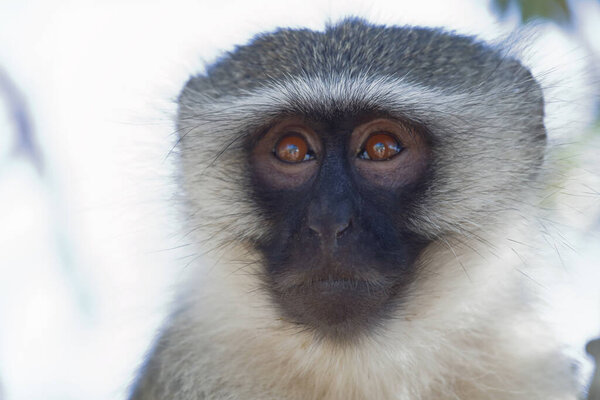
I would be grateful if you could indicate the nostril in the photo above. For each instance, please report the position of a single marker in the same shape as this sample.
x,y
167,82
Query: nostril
x,y
314,231
343,229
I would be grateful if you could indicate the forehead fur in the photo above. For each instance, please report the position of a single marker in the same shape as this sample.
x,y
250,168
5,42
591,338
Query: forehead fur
x,y
429,57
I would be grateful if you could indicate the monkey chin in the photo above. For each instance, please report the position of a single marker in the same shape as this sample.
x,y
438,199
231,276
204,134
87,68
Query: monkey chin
x,y
337,309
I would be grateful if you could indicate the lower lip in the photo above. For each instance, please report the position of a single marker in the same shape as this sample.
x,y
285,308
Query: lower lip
x,y
336,307
348,287
340,285
339,289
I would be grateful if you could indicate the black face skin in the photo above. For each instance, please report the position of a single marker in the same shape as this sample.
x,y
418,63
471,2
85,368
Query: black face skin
x,y
340,254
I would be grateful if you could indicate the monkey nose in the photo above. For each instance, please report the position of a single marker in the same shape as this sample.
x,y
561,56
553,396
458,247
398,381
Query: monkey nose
x,y
330,223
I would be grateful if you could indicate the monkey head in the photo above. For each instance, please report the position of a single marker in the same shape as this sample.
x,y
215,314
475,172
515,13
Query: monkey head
x,y
340,157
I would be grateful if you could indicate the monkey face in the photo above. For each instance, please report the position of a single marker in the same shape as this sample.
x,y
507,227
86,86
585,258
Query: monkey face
x,y
338,193
329,173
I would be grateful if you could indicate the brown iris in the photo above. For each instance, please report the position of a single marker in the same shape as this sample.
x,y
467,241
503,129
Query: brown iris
x,y
292,148
381,147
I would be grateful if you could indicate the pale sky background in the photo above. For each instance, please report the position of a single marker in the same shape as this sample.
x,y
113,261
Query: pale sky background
x,y
89,249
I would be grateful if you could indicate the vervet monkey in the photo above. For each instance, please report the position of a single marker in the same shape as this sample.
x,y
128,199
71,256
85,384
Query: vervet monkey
x,y
364,199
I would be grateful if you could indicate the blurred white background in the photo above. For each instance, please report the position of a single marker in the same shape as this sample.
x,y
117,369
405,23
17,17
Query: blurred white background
x,y
89,248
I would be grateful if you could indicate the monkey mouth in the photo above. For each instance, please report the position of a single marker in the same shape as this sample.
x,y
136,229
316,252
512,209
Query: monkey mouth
x,y
334,288
339,285
335,307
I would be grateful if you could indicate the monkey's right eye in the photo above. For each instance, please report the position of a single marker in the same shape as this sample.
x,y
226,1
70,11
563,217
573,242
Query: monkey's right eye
x,y
293,148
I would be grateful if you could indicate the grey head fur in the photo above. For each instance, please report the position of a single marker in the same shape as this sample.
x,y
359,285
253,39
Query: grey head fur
x,y
353,48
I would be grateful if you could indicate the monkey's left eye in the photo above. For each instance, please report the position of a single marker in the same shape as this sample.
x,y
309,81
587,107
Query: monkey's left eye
x,y
380,147
293,148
